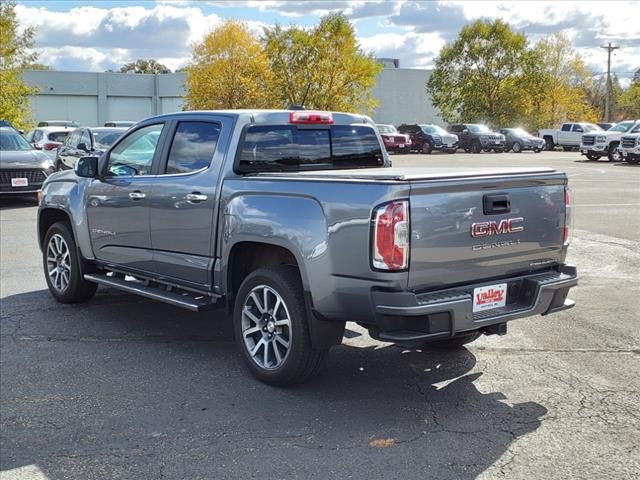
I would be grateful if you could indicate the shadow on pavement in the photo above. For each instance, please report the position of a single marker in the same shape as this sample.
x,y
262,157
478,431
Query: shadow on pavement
x,y
10,202
127,388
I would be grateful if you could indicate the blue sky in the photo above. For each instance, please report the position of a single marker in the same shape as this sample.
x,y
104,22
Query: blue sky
x,y
99,35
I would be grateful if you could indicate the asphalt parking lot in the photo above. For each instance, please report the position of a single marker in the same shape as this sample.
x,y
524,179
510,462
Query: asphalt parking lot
x,y
125,388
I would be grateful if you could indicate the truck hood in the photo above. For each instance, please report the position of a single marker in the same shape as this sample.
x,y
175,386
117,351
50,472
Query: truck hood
x,y
24,159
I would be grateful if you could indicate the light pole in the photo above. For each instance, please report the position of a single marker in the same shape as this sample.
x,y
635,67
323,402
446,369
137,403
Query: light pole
x,y
610,48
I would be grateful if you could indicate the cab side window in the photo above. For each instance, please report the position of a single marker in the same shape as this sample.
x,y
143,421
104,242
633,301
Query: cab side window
x,y
192,147
134,155
578,128
566,127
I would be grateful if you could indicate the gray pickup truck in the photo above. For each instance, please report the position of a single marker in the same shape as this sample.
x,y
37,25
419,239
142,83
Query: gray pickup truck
x,y
297,222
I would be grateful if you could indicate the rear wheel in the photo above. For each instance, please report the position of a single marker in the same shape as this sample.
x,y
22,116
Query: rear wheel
x,y
517,147
61,264
453,343
272,329
549,144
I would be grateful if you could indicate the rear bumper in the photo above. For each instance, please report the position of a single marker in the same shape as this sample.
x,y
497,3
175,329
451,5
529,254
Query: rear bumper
x,y
407,316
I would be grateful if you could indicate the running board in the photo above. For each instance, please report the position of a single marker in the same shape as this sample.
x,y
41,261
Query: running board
x,y
180,298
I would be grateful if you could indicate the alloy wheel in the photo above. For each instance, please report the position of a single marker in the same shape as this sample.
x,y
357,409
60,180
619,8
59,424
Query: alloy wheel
x,y
266,327
58,262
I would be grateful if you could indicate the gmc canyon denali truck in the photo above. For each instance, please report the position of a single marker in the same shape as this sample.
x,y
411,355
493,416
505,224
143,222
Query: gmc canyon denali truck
x,y
297,222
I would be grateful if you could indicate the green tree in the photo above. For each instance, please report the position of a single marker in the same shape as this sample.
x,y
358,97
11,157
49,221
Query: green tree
x,y
15,54
629,101
229,69
478,76
323,67
144,66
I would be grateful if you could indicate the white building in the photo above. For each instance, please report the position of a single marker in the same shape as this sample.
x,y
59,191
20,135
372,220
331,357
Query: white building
x,y
94,98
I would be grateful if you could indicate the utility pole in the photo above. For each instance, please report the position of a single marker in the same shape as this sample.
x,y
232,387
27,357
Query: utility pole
x,y
609,48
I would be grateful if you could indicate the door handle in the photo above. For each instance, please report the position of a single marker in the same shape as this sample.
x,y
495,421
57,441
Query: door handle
x,y
196,197
137,195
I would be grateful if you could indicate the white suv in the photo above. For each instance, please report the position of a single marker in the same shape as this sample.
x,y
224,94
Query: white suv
x,y
48,139
599,144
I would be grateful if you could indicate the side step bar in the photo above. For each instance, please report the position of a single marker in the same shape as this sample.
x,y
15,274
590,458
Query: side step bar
x,y
179,298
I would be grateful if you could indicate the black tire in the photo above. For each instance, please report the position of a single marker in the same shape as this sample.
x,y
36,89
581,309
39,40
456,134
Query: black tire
x,y
77,289
426,148
300,361
453,343
467,150
476,147
567,149
451,151
516,147
537,150
613,154
499,150
549,143
593,157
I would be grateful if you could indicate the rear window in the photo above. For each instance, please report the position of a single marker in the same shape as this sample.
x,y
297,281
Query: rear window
x,y
289,147
58,136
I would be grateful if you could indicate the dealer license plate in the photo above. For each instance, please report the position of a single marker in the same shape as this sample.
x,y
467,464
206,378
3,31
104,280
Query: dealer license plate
x,y
497,142
491,296
19,182
402,145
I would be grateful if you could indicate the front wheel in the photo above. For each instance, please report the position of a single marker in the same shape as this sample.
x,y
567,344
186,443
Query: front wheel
x,y
517,147
426,147
614,155
272,329
476,147
61,263
453,343
537,150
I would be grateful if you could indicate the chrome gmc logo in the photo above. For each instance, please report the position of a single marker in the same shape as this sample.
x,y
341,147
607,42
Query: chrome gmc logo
x,y
493,227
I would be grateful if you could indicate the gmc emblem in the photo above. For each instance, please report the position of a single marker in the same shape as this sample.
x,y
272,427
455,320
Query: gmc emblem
x,y
493,227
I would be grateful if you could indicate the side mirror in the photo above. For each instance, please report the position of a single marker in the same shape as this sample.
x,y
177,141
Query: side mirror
x,y
83,146
87,167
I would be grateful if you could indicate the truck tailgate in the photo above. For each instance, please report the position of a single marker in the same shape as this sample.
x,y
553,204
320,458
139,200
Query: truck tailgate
x,y
476,229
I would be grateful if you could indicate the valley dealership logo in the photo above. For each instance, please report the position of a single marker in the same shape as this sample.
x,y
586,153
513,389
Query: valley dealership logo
x,y
493,227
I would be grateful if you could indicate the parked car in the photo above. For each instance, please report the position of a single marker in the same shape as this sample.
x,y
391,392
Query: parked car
x,y
295,220
394,141
518,139
568,136
475,137
22,168
48,139
85,141
426,138
119,123
605,126
597,145
630,146
58,123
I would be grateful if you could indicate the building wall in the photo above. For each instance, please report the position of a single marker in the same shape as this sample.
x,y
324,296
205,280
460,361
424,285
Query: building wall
x,y
94,98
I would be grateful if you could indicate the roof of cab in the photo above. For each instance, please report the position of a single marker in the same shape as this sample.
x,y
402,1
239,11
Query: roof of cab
x,y
264,115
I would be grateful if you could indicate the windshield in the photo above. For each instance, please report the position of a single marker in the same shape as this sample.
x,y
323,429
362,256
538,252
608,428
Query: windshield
x,y
636,129
106,138
11,141
622,127
433,129
520,132
477,128
386,129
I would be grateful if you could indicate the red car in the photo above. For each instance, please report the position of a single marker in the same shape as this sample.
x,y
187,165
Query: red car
x,y
394,141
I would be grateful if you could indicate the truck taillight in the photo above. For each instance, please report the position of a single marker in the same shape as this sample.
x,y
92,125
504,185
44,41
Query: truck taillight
x,y
305,117
391,236
51,146
568,218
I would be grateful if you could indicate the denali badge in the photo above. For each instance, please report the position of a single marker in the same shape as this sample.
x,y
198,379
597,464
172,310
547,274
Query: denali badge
x,y
493,227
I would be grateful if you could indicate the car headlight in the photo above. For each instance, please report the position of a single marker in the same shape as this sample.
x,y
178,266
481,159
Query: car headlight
x,y
601,139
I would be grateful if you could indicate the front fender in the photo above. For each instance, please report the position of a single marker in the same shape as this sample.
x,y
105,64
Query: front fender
x,y
66,192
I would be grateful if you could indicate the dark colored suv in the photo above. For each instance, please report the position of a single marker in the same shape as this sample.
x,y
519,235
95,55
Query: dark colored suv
x,y
426,138
475,137
518,139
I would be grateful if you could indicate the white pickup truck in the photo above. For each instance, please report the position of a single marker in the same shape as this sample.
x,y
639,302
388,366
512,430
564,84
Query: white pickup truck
x,y
568,136
629,146
599,144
